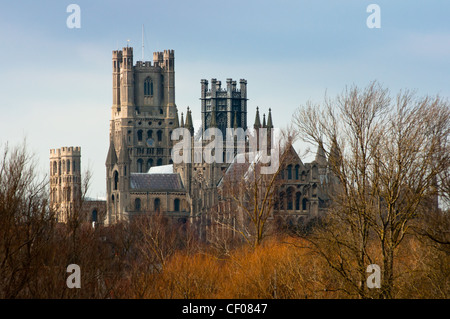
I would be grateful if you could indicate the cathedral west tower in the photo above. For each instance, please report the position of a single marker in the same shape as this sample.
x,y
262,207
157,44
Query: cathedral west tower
x,y
143,115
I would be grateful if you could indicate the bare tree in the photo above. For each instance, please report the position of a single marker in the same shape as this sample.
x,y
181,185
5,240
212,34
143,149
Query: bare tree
x,y
249,195
26,222
387,155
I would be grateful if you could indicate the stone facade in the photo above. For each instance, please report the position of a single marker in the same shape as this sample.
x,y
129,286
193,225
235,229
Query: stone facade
x,y
65,181
140,174
66,196
143,117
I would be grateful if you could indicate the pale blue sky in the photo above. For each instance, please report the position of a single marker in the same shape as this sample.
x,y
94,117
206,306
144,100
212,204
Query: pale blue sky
x,y
55,83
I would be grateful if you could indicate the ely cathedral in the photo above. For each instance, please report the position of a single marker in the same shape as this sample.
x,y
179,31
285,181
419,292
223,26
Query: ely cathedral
x,y
141,176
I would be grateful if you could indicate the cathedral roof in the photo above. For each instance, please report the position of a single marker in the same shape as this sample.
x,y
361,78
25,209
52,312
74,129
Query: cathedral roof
x,y
156,182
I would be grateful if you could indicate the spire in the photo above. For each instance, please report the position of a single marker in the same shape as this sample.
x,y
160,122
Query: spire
x,y
257,124
320,155
269,119
111,158
182,120
335,155
123,155
188,123
177,122
264,121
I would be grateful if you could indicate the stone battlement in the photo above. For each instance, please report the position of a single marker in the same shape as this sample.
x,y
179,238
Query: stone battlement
x,y
65,151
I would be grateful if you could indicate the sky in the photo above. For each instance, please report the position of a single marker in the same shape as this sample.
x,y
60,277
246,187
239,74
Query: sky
x,y
56,81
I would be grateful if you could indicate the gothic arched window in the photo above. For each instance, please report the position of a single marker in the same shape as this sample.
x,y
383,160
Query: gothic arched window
x,y
304,203
116,179
290,200
148,87
315,172
159,136
281,200
157,204
139,135
149,163
289,172
139,165
297,201
94,215
176,205
221,121
137,204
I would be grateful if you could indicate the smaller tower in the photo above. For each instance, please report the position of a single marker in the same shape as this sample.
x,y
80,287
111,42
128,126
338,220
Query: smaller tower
x,y
65,182
222,106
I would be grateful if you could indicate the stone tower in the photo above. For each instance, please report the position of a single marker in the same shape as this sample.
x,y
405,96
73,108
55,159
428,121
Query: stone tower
x,y
65,181
143,115
224,106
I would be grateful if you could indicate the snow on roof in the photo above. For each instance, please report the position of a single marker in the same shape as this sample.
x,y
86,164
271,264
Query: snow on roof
x,y
164,169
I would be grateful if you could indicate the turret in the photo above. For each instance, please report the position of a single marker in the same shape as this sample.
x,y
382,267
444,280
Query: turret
x,y
65,181
169,60
257,124
158,59
111,158
269,120
177,121
189,125
127,82
116,61
269,128
169,79
243,89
